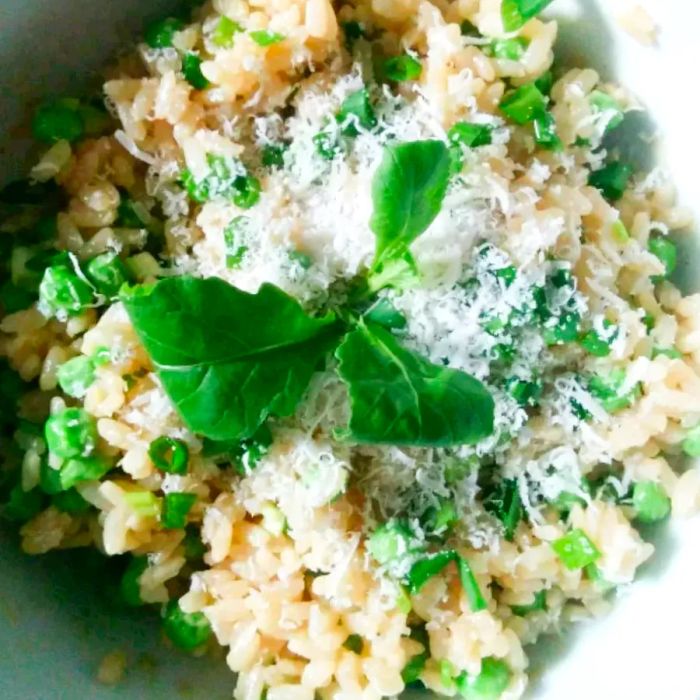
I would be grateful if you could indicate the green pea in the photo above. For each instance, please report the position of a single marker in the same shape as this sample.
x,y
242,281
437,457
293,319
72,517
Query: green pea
x,y
71,432
651,501
76,376
489,684
186,631
108,273
169,455
247,191
62,291
665,250
176,506
401,68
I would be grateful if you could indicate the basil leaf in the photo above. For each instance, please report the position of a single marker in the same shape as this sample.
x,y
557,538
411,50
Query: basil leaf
x,y
407,192
400,398
228,359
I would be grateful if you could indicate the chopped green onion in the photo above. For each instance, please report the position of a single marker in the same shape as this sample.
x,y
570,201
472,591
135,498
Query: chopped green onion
x,y
665,250
428,567
611,180
247,191
671,353
545,129
71,502
159,35
225,31
49,479
58,121
605,104
169,455
130,585
575,549
192,70
23,505
186,631
62,292
302,259
234,233
564,331
466,28
403,601
355,110
441,519
354,643
470,585
76,376
545,82
620,232
193,545
509,49
515,13
78,469
265,37
470,135
107,273
607,391
413,670
102,356
489,684
595,344
524,104
504,502
145,504
327,145
401,68
273,155
71,432
384,313
447,672
651,502
353,31
691,444
539,603
526,393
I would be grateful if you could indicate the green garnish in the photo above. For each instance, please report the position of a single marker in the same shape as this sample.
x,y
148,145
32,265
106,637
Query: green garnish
x,y
391,541
408,188
273,155
71,502
509,49
504,502
192,70
225,31
186,631
57,121
426,568
354,643
611,180
71,432
159,35
515,13
575,550
538,604
651,502
607,391
130,586
401,68
691,444
23,505
665,250
107,273
524,104
264,37
76,375
199,335
526,393
470,135
545,130
489,684
176,506
227,179
356,110
73,471
234,235
599,345
398,397
169,455
605,104
62,291
384,314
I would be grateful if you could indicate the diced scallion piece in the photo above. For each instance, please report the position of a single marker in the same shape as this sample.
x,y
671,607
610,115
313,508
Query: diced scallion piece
x,y
620,232
575,549
225,31
489,684
514,13
400,68
71,502
564,330
671,353
470,135
78,469
234,235
265,37
605,104
545,129
426,568
273,155
470,585
414,668
71,432
130,585
539,603
58,121
524,104
504,502
62,291
509,49
607,390
169,455
356,110
597,344
159,35
526,393
107,273
144,504
651,501
545,82
76,376
326,144
247,191
665,250
186,631
192,70
611,180
691,444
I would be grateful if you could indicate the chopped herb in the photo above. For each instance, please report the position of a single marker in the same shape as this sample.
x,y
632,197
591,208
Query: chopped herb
x,y
509,49
504,502
356,110
327,145
575,550
524,104
225,31
489,684
545,82
538,604
607,391
515,13
651,502
665,250
76,376
426,568
401,68
144,504
599,345
611,180
234,234
71,432
192,70
545,129
264,37
176,506
609,106
169,455
159,35
187,631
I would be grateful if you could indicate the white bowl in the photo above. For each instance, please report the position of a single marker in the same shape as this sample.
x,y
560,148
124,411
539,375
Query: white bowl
x,y
54,623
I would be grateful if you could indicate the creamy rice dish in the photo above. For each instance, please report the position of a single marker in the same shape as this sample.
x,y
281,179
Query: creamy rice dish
x,y
348,331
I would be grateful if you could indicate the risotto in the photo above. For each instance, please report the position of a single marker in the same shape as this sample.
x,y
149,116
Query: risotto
x,y
345,328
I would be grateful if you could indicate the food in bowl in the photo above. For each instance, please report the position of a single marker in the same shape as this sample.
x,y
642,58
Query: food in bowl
x,y
349,331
